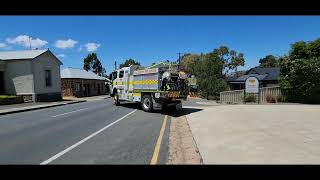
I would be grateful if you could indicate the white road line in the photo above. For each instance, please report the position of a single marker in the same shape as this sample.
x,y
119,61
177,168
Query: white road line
x,y
84,140
70,112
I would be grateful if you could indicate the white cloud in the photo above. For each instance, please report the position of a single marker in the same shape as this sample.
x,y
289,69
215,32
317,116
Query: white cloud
x,y
25,41
61,55
92,46
2,45
64,44
80,48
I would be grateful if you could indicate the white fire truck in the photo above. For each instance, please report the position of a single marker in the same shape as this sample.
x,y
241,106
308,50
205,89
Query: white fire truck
x,y
154,88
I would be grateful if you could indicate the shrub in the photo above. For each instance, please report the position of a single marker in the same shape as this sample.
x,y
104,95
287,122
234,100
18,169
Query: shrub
x,y
300,71
271,99
281,99
250,98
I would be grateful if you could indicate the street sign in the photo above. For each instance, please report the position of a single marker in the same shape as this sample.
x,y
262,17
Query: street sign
x,y
252,85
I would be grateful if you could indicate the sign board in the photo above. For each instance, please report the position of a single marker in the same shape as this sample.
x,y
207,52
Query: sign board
x,y
252,85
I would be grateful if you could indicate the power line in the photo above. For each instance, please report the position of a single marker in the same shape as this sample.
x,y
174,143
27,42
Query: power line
x,y
179,60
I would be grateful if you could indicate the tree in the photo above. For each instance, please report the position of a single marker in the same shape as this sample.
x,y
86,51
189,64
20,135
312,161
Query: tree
x,y
300,72
189,62
269,61
91,62
211,68
129,62
104,73
87,63
230,58
209,75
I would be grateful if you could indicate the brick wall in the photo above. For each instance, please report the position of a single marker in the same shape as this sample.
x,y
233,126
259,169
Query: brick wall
x,y
69,87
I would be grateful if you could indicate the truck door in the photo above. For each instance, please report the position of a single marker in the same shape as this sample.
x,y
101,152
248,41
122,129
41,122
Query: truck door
x,y
126,80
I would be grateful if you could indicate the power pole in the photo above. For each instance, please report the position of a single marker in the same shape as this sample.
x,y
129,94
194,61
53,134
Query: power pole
x,y
30,42
179,60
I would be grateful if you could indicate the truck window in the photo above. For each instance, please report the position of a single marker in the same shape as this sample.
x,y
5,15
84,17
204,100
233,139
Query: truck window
x,y
121,74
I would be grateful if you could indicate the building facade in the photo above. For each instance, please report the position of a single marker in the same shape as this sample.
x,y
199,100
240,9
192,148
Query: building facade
x,y
268,77
32,74
81,83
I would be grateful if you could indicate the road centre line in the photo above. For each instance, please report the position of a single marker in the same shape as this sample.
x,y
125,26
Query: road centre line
x,y
84,140
156,151
70,112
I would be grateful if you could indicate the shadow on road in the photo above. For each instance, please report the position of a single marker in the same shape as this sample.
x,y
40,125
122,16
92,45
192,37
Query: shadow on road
x,y
171,111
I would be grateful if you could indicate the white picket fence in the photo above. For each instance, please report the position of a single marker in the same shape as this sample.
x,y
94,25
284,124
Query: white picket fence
x,y
236,96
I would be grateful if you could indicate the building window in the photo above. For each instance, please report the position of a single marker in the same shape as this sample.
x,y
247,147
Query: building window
x,y
77,87
48,78
121,74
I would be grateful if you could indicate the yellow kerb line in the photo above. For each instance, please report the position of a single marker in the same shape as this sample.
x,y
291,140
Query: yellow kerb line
x,y
156,151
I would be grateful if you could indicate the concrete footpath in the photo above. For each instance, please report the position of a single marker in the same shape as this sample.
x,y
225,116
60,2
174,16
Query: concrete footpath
x,y
34,106
257,134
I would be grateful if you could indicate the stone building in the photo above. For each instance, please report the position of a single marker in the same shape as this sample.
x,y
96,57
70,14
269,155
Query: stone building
x,y
31,74
81,83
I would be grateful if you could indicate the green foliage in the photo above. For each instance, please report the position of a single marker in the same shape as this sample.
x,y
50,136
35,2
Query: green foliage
x,y
269,61
230,58
189,62
271,99
104,72
91,62
129,62
210,68
250,98
300,72
281,99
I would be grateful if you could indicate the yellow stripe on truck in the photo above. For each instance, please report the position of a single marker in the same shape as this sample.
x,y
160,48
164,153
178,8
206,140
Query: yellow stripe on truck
x,y
148,81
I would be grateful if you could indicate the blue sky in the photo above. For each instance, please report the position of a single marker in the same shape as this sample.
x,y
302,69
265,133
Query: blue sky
x,y
152,38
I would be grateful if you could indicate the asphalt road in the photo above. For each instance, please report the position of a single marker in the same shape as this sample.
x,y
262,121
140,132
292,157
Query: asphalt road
x,y
92,132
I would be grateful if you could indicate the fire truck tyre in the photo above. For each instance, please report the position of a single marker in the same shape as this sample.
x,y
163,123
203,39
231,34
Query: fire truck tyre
x,y
146,103
116,99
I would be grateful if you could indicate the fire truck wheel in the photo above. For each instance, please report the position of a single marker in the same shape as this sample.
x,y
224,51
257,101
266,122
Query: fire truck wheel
x,y
146,103
116,99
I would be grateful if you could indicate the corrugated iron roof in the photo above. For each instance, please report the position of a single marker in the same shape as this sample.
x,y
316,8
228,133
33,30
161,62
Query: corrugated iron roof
x,y
244,77
75,73
263,74
27,54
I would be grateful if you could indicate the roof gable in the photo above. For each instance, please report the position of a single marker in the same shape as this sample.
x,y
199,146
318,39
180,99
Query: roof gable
x,y
50,54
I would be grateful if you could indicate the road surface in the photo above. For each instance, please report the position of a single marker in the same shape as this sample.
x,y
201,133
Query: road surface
x,y
94,132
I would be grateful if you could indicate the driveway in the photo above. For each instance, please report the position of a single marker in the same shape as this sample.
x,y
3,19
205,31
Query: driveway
x,y
257,134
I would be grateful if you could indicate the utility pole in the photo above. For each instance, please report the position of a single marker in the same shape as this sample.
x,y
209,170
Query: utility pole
x,y
179,60
30,42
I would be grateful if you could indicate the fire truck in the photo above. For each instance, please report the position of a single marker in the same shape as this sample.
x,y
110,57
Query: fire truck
x,y
154,88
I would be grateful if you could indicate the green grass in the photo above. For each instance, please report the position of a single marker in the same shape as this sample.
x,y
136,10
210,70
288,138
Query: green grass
x,y
7,97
